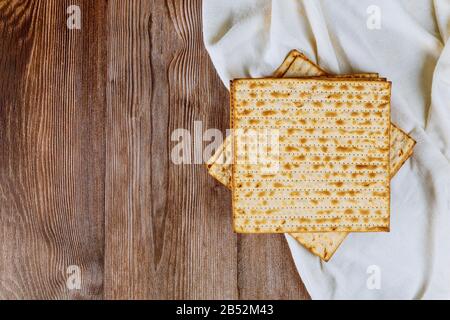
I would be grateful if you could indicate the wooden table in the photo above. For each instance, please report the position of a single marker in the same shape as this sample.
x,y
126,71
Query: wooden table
x,y
87,187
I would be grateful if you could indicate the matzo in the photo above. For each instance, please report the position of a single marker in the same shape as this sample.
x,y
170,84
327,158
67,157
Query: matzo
x,y
321,244
332,171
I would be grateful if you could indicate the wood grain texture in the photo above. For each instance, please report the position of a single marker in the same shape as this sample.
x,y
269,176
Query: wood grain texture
x,y
266,269
165,237
52,150
86,179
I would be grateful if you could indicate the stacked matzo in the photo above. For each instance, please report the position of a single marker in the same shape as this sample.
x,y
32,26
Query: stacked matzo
x,y
323,244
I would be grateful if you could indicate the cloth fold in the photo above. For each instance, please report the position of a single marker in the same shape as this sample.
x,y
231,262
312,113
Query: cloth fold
x,y
248,38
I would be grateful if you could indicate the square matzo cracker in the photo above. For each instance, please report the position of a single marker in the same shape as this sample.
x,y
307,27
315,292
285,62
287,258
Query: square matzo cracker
x,y
332,170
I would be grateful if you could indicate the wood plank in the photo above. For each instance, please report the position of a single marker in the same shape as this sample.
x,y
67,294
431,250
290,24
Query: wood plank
x,y
266,269
52,142
168,226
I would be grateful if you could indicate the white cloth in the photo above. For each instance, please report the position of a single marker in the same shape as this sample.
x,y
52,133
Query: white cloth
x,y
250,38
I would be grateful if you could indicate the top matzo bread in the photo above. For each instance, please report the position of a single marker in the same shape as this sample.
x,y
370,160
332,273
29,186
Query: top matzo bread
x,y
332,171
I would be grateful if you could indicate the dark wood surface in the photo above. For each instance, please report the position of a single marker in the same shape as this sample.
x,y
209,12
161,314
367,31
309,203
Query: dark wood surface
x,y
86,179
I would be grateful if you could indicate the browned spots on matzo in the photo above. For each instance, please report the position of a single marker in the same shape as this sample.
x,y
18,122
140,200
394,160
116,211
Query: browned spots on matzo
x,y
278,185
268,113
305,95
335,96
277,94
317,104
373,159
256,85
344,149
350,193
291,132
